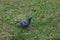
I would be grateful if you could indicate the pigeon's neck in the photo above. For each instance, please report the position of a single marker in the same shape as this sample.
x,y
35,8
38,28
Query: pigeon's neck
x,y
29,19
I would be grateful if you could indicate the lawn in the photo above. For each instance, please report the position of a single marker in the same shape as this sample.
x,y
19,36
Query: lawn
x,y
45,24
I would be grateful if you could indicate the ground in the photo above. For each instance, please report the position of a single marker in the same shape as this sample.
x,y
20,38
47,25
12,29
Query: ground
x,y
45,24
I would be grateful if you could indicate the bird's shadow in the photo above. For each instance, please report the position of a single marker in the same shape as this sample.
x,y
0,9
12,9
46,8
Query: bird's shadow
x,y
25,28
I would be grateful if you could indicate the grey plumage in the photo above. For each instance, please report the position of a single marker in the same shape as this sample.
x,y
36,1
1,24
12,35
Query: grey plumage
x,y
25,22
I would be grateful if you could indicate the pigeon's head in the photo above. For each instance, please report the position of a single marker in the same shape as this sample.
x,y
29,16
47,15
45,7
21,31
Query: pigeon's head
x,y
30,17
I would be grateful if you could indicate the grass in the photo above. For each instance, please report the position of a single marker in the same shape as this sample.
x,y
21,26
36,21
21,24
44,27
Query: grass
x,y
45,24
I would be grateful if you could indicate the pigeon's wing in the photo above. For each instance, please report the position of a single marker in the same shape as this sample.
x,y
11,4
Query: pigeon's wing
x,y
22,23
25,22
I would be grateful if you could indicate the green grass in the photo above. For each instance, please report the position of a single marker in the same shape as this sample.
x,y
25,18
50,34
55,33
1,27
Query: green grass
x,y
45,24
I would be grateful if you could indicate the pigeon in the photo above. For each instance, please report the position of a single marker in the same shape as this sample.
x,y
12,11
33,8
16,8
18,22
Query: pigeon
x,y
24,23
